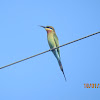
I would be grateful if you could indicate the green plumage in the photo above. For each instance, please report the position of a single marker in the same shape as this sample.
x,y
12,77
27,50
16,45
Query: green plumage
x,y
53,43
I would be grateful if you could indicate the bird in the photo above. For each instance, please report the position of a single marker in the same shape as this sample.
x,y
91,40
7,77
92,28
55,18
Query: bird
x,y
53,43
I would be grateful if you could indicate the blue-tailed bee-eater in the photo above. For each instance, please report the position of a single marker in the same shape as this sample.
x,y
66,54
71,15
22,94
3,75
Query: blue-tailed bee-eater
x,y
53,43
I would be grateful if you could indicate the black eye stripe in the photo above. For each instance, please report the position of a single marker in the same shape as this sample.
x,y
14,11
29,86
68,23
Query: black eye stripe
x,y
49,27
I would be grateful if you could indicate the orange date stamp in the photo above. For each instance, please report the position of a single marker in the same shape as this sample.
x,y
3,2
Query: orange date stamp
x,y
91,85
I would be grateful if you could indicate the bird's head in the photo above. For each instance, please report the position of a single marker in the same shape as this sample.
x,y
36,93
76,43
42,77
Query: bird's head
x,y
48,28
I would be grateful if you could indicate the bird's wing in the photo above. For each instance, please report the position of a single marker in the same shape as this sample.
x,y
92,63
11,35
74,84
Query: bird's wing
x,y
57,43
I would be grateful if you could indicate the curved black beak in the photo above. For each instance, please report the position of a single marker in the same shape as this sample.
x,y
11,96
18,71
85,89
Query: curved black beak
x,y
42,26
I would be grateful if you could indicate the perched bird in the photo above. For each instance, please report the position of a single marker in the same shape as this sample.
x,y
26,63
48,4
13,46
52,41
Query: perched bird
x,y
53,43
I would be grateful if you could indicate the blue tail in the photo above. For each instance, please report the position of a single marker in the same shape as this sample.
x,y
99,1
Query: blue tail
x,y
59,61
60,64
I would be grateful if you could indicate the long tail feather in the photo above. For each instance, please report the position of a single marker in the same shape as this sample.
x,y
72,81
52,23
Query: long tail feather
x,y
60,64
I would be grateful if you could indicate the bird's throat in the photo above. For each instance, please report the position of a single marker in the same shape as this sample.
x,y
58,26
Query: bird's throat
x,y
49,31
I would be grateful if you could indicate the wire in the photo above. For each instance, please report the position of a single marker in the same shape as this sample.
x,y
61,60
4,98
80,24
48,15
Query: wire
x,y
49,50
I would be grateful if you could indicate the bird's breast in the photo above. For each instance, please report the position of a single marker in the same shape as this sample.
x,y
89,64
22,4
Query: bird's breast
x,y
51,40
50,36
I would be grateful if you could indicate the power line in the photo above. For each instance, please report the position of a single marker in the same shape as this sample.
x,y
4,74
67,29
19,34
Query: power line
x,y
49,50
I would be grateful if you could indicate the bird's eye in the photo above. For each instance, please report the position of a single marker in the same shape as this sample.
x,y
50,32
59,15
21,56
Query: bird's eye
x,y
49,27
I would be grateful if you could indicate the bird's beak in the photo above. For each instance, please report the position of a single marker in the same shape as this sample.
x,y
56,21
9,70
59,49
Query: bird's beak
x,y
42,26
